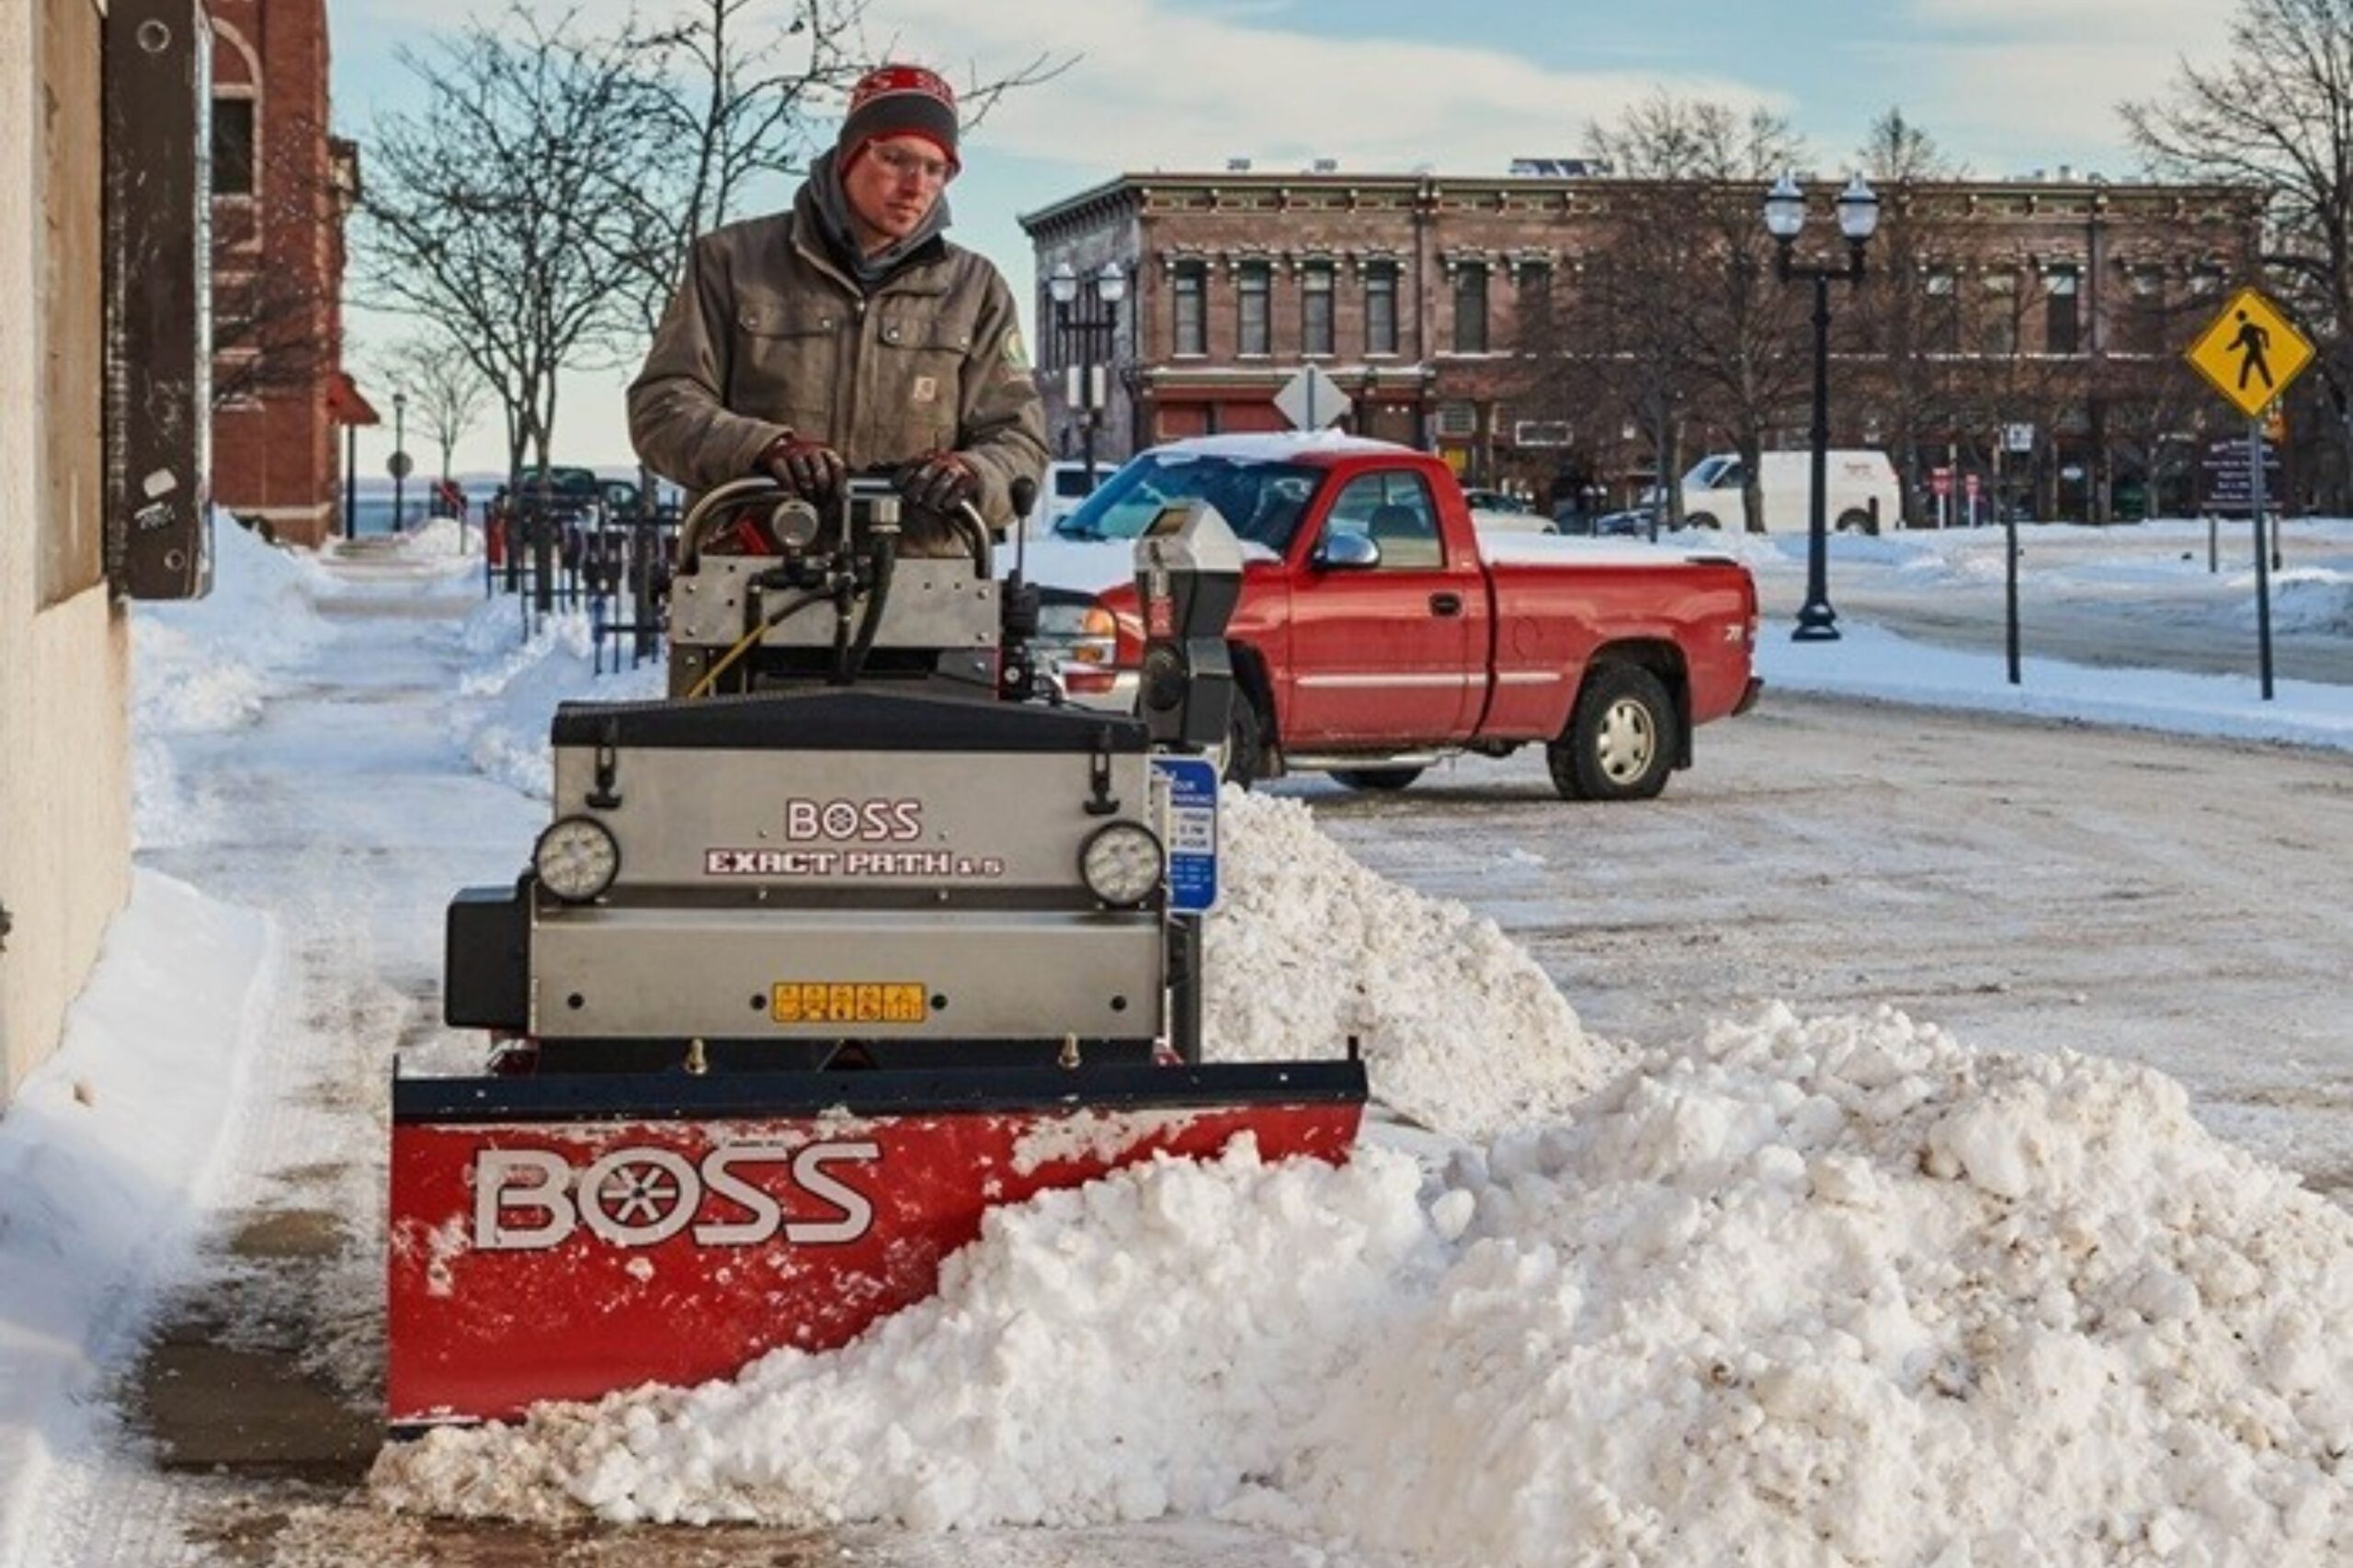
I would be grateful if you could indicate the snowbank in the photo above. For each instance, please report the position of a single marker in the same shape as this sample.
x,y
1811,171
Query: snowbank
x,y
205,664
107,1155
1838,1290
500,718
1461,1030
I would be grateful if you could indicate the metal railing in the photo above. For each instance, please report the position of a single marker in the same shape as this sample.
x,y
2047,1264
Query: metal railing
x,y
577,553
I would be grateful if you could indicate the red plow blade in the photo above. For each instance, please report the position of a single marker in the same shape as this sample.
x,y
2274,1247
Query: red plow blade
x,y
562,1238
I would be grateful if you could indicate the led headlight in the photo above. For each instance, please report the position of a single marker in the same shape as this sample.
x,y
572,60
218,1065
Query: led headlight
x,y
576,858
1121,864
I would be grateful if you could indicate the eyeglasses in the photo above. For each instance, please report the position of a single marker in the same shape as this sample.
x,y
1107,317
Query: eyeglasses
x,y
901,161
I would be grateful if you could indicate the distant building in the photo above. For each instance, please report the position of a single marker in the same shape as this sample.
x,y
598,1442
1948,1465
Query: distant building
x,y
282,188
1406,287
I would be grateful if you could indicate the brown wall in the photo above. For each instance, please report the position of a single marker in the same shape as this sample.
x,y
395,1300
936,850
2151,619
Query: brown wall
x,y
275,447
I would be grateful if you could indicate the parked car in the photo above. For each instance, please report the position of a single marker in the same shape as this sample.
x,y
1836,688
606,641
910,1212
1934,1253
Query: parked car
x,y
1862,492
1635,523
1482,500
1379,631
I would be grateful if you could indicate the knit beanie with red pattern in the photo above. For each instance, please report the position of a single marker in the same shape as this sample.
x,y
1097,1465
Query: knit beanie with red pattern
x,y
899,100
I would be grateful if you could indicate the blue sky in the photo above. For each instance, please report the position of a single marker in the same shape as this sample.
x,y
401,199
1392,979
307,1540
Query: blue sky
x,y
2007,87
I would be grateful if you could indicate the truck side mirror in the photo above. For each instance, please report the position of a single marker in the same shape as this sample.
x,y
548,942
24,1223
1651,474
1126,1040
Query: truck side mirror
x,y
1346,553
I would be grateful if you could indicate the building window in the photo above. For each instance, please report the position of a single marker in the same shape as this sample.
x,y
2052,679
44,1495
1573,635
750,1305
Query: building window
x,y
1193,319
1381,309
2063,328
1253,282
1940,321
1315,310
233,146
2002,314
1471,308
2206,280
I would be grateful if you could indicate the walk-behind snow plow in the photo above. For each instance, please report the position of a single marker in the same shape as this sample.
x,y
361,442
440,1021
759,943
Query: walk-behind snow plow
x,y
851,939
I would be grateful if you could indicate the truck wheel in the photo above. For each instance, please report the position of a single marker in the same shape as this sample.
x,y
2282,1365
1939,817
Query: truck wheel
x,y
1376,778
1619,744
1855,522
1701,520
1246,743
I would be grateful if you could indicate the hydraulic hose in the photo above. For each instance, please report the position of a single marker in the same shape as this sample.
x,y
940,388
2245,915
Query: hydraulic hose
x,y
743,644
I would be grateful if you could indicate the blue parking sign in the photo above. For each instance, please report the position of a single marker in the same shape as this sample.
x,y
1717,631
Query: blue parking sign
x,y
1190,785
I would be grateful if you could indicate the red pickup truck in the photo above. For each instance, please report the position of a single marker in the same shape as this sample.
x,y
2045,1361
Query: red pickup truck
x,y
1379,631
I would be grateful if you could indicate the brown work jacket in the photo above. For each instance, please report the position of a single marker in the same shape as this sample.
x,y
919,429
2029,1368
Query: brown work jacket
x,y
768,335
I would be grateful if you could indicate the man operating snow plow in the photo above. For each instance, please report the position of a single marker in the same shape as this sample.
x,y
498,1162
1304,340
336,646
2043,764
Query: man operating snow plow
x,y
851,939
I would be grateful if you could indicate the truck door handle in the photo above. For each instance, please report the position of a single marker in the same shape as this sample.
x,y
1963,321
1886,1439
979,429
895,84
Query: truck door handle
x,y
1445,603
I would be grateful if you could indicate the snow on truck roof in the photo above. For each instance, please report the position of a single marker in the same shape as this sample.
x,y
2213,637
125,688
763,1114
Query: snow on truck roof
x,y
1280,445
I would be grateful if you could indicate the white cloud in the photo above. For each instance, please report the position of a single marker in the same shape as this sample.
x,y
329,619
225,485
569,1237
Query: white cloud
x,y
1157,86
2033,83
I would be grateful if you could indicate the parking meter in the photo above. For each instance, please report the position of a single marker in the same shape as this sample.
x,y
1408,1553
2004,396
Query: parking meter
x,y
1189,577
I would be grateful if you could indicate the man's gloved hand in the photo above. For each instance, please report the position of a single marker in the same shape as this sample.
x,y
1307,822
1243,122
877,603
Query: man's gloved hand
x,y
808,468
941,482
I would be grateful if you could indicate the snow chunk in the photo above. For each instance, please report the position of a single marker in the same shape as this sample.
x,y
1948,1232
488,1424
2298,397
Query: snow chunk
x,y
1461,1030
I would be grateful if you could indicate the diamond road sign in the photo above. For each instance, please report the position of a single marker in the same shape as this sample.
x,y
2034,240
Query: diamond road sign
x,y
1311,400
2250,352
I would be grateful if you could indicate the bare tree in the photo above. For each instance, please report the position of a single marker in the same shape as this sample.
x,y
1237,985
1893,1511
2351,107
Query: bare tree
x,y
1905,327
442,384
2277,113
1732,322
490,215
736,101
273,324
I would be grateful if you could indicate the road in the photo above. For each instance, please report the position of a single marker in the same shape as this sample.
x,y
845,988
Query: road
x,y
2160,624
2030,886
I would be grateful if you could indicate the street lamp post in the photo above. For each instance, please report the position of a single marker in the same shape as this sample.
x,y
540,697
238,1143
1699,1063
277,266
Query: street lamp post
x,y
1858,218
1093,331
400,456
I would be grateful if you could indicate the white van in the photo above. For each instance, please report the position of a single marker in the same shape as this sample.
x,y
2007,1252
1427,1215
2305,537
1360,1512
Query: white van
x,y
1863,494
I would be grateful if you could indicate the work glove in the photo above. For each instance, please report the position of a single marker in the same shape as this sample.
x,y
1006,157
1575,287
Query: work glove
x,y
810,469
941,482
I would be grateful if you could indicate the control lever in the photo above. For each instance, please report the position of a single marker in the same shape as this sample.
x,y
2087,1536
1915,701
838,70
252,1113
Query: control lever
x,y
1018,614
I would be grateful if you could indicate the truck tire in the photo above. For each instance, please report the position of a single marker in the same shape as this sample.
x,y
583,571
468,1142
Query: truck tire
x,y
1246,743
1701,520
1619,743
1855,521
1376,778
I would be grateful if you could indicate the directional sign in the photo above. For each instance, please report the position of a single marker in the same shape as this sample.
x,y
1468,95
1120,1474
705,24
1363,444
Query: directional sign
x,y
2250,352
1311,400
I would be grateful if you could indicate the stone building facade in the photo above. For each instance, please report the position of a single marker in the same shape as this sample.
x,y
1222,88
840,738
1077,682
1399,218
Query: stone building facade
x,y
282,186
1410,289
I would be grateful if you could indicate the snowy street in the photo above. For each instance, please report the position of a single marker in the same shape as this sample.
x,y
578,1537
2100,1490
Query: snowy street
x,y
1812,1279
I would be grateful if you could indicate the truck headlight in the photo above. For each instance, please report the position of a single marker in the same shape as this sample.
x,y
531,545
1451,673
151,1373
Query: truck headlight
x,y
1121,864
576,858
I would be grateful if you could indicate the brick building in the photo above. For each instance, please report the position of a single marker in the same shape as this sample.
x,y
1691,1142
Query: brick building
x,y
2040,302
282,186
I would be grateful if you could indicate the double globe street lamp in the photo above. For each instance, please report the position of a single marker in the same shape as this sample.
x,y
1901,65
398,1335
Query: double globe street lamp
x,y
1857,220
1090,332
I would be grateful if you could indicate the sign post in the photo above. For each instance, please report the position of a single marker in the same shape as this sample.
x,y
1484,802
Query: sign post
x,y
1940,484
2249,353
1311,400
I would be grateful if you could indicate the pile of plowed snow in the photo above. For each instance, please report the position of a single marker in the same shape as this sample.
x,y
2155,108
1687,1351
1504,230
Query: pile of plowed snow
x,y
1461,1030
1802,1291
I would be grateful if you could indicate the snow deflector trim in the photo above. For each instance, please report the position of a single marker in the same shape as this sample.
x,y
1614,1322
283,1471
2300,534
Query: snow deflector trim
x,y
846,720
676,1097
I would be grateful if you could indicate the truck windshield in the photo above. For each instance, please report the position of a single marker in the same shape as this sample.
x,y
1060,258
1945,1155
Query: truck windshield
x,y
1260,501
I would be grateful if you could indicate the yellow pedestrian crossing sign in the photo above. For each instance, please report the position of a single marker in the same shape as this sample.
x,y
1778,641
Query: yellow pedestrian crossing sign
x,y
2250,352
